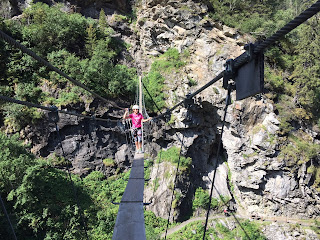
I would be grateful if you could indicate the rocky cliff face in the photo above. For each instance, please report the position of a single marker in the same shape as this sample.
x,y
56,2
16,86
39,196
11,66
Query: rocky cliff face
x,y
262,183
86,143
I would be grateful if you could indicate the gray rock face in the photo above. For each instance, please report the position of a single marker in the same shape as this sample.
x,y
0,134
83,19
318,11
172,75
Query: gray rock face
x,y
276,231
11,8
85,144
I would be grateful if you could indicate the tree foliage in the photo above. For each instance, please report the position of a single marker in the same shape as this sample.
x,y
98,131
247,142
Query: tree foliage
x,y
78,46
42,202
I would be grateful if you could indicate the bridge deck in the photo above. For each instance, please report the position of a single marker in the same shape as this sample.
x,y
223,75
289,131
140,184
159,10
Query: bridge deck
x,y
130,218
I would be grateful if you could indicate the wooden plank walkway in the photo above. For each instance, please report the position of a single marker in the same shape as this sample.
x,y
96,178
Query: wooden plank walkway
x,y
130,219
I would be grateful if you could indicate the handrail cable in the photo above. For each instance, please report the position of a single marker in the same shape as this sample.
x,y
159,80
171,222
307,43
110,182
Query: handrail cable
x,y
72,184
8,218
258,48
14,43
29,104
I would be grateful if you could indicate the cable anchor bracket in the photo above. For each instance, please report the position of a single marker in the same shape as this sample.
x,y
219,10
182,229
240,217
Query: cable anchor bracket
x,y
229,73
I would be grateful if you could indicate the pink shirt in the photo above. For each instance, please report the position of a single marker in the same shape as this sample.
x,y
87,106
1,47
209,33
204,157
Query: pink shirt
x,y
136,120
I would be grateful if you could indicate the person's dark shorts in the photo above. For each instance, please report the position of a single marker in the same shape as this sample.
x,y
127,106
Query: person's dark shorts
x,y
137,134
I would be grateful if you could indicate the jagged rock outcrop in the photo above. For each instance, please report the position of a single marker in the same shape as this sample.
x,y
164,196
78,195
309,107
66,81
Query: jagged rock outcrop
x,y
86,143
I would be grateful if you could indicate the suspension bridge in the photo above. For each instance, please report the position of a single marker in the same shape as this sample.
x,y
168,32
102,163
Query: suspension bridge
x,y
130,218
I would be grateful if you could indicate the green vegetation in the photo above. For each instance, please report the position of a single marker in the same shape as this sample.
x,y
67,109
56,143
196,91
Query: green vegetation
x,y
201,200
79,46
255,17
248,230
172,120
154,225
316,227
154,81
41,203
108,162
172,155
192,82
230,180
299,150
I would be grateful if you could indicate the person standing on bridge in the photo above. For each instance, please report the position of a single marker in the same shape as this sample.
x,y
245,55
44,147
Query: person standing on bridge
x,y
137,120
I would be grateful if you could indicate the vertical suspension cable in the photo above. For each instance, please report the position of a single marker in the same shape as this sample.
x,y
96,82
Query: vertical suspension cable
x,y
137,95
228,100
174,186
72,184
8,218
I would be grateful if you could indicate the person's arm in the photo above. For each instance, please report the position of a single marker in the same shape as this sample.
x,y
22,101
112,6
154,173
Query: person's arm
x,y
126,116
146,120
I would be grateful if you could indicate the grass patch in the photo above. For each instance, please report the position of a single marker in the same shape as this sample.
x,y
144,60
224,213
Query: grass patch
x,y
172,155
108,162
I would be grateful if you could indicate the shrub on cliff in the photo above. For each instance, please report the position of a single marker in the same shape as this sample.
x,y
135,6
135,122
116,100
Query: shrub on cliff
x,y
77,45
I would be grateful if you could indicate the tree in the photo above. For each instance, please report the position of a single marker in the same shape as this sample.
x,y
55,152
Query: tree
x,y
91,40
306,75
14,160
102,20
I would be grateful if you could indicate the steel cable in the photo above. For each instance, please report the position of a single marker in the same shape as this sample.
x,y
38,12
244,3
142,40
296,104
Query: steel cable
x,y
311,11
14,43
218,77
243,58
29,104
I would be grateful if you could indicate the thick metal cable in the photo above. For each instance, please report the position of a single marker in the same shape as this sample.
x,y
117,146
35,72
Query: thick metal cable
x,y
243,58
72,184
14,43
218,77
260,47
29,104
311,11
8,218
174,187
217,159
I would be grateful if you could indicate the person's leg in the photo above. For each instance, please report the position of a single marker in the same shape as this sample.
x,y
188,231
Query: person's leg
x,y
139,133
135,137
